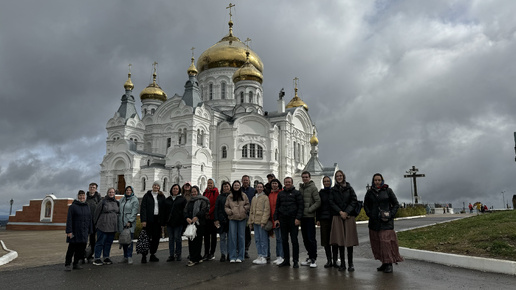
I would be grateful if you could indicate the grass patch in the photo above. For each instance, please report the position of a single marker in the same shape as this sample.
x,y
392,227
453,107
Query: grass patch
x,y
491,235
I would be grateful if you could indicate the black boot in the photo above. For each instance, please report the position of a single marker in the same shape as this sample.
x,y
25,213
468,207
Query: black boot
x,y
327,250
351,268
342,266
388,268
381,268
335,253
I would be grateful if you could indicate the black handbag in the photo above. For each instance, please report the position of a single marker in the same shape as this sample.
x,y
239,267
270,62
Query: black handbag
x,y
358,208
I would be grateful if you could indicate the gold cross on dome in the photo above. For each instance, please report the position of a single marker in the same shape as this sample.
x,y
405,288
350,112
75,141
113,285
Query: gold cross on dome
x,y
296,79
192,51
229,7
130,65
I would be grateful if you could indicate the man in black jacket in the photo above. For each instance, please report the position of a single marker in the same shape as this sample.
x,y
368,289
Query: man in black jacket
x,y
288,214
92,199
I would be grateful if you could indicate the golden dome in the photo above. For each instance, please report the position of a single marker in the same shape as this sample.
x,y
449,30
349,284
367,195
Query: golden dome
x,y
314,141
248,72
153,91
192,70
296,102
228,52
128,85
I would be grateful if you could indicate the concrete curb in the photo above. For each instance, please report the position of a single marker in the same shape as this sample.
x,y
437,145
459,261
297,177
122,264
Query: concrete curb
x,y
467,262
11,255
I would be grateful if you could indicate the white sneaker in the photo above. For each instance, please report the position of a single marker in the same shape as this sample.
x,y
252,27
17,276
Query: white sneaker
x,y
278,261
238,261
306,263
232,261
130,260
256,261
313,264
262,261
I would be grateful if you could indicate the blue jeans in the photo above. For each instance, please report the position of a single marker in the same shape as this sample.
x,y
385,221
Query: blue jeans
x,y
224,249
103,244
128,249
237,239
279,244
261,238
174,239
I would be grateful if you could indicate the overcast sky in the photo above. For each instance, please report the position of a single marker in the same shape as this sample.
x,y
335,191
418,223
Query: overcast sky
x,y
390,84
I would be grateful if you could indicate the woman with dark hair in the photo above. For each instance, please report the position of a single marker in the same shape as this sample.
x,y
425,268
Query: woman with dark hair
x,y
186,191
78,229
210,235
152,216
106,223
381,205
258,217
237,207
324,218
273,196
195,213
343,201
127,219
174,218
222,221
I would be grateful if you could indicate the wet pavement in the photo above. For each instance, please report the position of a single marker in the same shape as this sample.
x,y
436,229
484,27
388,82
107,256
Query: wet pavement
x,y
27,272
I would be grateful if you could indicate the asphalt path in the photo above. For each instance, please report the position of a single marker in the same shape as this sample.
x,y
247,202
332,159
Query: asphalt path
x,y
409,274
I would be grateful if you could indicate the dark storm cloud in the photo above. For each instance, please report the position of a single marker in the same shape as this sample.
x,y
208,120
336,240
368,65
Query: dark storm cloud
x,y
390,84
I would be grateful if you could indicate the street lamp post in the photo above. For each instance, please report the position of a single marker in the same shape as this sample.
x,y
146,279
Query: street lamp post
x,y
11,209
503,198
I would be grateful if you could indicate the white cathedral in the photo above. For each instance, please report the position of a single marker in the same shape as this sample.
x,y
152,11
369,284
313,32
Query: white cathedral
x,y
216,129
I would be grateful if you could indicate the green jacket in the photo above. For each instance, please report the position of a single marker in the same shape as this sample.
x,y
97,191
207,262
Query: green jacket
x,y
311,198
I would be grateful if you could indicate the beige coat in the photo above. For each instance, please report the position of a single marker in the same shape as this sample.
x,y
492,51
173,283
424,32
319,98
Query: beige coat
x,y
260,210
237,210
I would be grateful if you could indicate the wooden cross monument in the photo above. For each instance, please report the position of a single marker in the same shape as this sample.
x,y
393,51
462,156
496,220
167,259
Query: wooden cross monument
x,y
412,174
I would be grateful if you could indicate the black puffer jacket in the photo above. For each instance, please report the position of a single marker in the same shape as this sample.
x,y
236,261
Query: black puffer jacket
x,y
383,199
220,203
203,205
147,208
174,211
342,199
79,222
289,204
323,212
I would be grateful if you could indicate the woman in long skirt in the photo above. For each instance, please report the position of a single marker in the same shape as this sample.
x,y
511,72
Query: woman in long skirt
x,y
343,201
381,205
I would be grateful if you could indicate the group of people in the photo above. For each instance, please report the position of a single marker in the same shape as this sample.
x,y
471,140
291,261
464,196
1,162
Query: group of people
x,y
271,210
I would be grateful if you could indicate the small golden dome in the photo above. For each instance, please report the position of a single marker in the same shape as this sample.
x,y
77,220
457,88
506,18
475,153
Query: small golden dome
x,y
228,52
296,102
153,91
248,72
128,85
314,141
192,70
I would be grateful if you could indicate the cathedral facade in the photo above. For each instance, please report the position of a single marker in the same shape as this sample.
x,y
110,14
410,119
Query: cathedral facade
x,y
216,129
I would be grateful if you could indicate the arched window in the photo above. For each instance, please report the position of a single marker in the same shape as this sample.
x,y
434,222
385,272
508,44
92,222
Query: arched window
x,y
241,97
202,167
152,111
276,154
223,90
258,99
244,151
200,137
148,162
169,142
251,97
211,91
143,184
224,152
252,151
165,184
